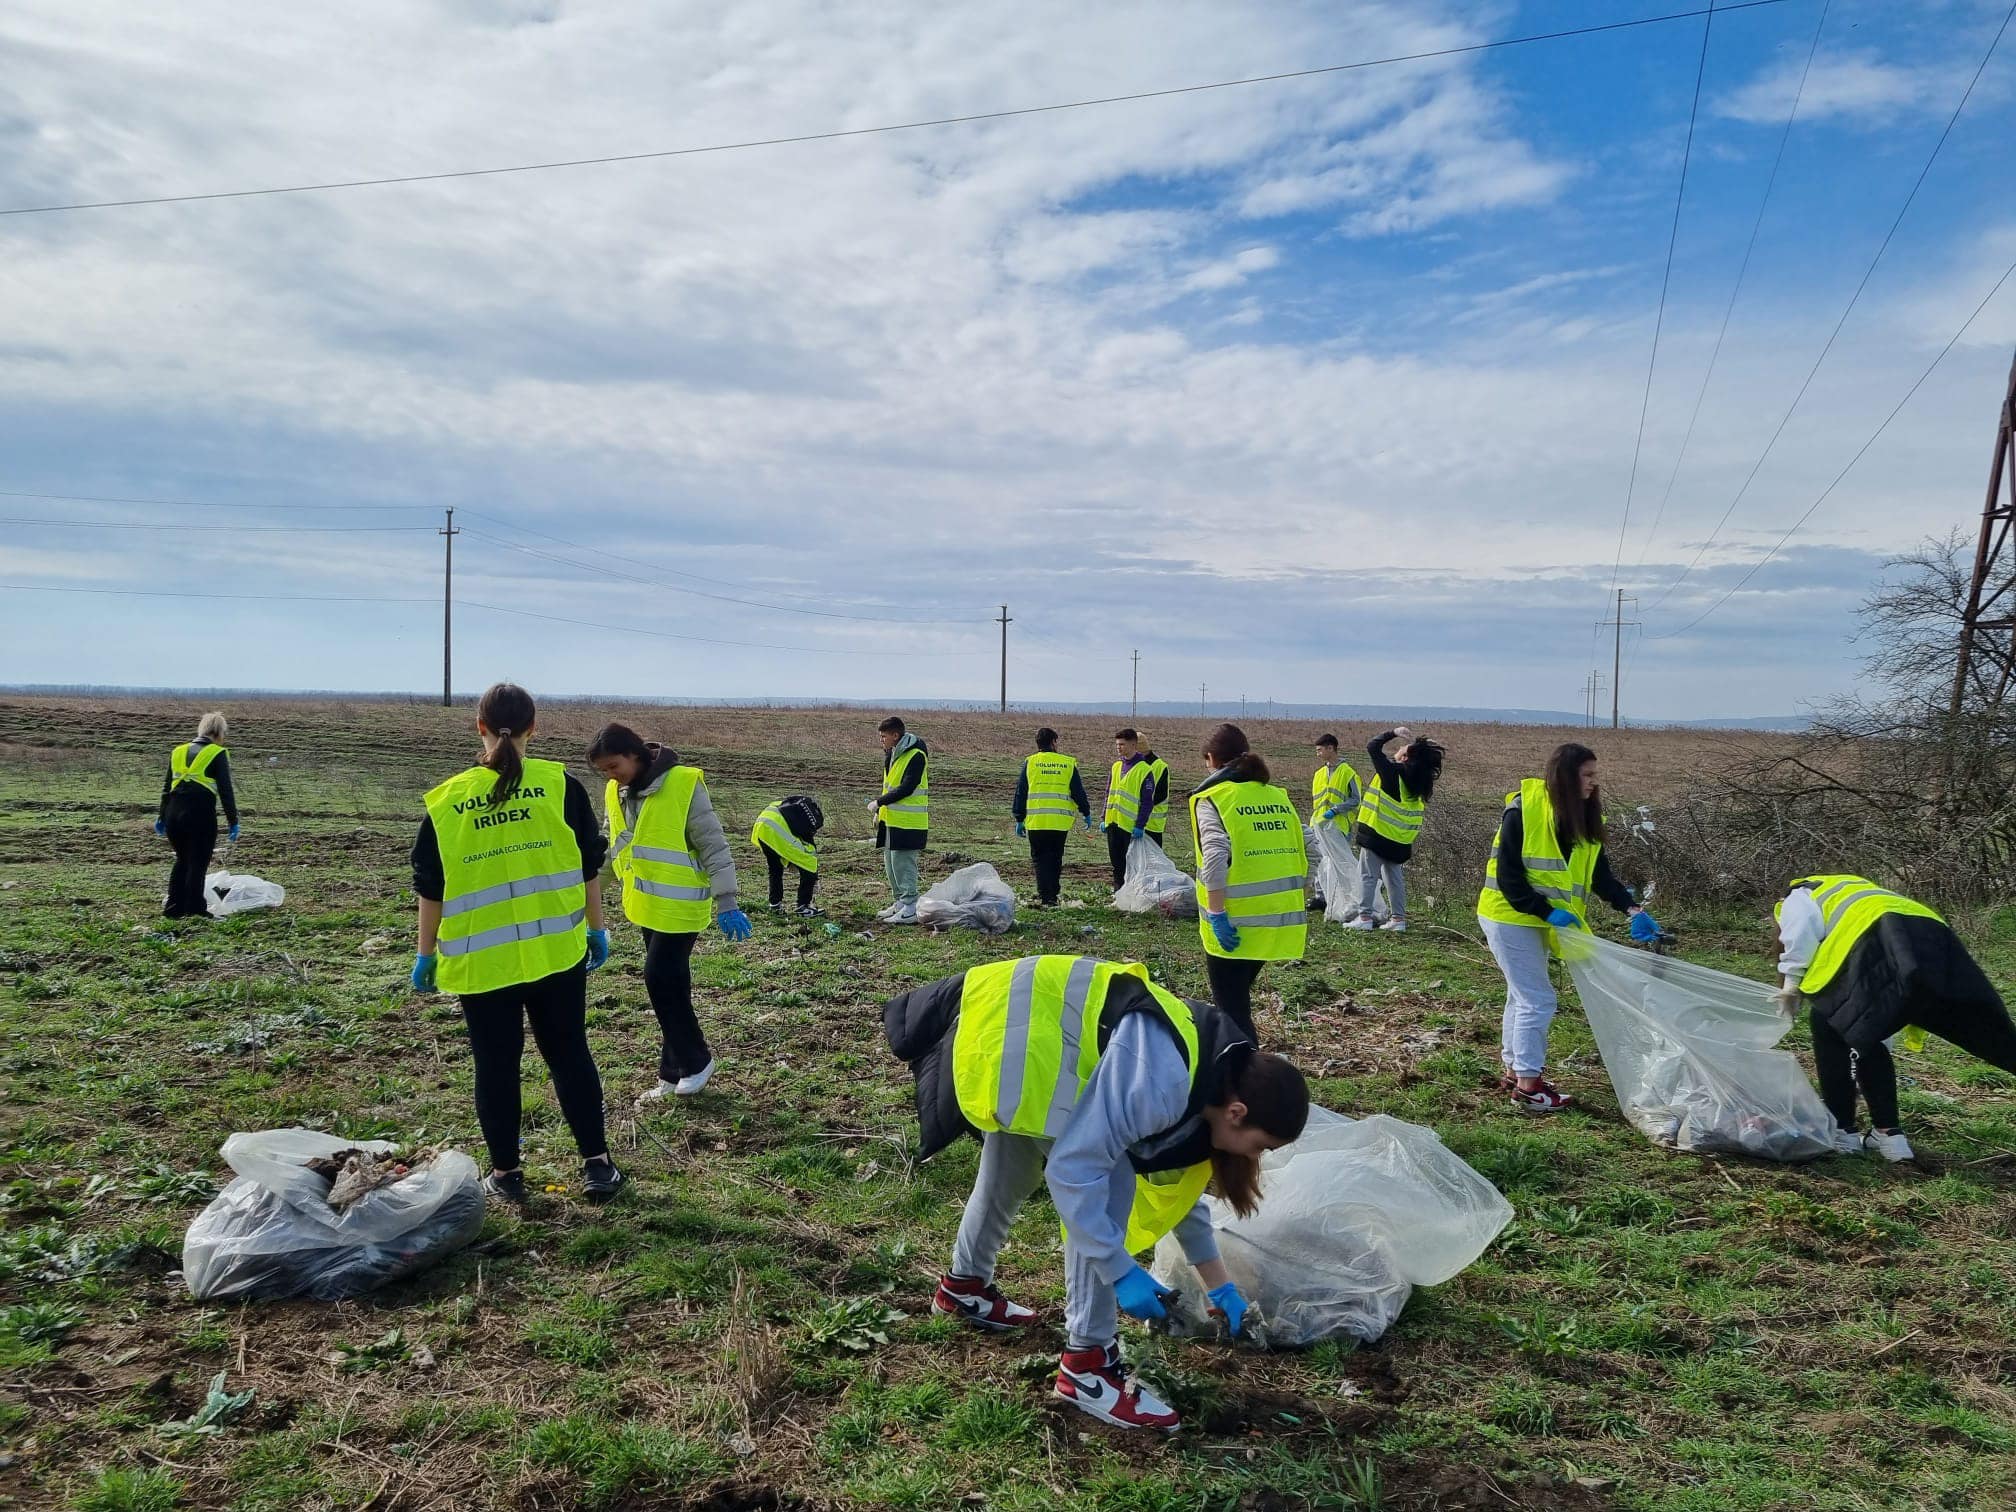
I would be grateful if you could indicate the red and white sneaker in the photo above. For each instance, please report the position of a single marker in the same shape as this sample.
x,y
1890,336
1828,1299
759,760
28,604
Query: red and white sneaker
x,y
980,1304
1545,1098
1093,1381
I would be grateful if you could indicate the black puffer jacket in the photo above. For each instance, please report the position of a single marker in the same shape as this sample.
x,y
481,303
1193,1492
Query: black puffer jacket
x,y
1903,961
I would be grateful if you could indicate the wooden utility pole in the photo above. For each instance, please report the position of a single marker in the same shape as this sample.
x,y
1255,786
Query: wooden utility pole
x,y
1200,702
1987,626
1134,699
448,533
1004,622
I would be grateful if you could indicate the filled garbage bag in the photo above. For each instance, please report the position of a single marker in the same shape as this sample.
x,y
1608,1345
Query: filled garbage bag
x,y
1693,1054
1155,884
973,897
227,893
1353,1216
273,1233
1334,877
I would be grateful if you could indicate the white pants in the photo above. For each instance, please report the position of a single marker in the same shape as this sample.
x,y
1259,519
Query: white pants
x,y
1521,953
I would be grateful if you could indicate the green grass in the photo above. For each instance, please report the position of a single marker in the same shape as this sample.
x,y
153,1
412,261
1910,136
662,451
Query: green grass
x,y
1685,1334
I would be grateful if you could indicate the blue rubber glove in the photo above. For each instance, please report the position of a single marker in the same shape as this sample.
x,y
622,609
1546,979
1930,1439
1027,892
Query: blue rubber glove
x,y
1562,919
423,972
598,948
1139,831
1330,814
1221,926
734,924
160,829
1140,1295
1226,1299
1644,928
1021,829
1090,827
232,833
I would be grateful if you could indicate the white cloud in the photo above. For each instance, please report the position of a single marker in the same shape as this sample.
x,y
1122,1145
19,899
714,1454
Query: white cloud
x,y
1849,85
1230,272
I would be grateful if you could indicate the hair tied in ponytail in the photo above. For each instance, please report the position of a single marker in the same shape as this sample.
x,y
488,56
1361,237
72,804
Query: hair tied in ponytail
x,y
503,709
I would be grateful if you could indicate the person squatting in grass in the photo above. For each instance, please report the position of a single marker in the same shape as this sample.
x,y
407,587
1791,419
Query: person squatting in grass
x,y
1869,963
1389,822
1128,1102
1252,872
504,867
1546,860
1131,801
668,850
787,834
902,816
1048,791
198,779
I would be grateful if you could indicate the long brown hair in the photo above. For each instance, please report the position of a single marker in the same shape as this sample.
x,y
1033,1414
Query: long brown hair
x,y
1277,1101
1576,818
505,710
1226,746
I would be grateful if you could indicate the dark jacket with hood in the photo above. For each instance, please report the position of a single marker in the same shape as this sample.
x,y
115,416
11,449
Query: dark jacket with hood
x,y
902,839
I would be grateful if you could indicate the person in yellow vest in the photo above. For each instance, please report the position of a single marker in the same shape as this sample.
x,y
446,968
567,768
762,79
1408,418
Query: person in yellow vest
x,y
1252,872
902,816
1389,822
787,833
1869,963
1130,800
198,780
511,922
667,848
1129,1102
1156,783
1334,800
1048,793
1545,864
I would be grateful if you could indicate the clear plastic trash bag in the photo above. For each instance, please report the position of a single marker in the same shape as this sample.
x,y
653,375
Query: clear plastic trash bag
x,y
226,893
271,1233
1693,1054
1353,1216
1334,877
1155,884
973,897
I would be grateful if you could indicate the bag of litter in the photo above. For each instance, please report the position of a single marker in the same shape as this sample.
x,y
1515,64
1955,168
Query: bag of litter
x,y
973,897
1693,1054
226,893
1353,1216
272,1232
1334,878
1155,884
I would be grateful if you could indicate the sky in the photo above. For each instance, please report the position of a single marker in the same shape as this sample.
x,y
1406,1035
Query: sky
x,y
1325,389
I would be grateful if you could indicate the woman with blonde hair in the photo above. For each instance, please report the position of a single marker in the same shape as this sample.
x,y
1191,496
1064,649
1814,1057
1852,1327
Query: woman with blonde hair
x,y
199,778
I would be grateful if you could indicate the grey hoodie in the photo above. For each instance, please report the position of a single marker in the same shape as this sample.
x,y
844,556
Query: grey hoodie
x,y
704,836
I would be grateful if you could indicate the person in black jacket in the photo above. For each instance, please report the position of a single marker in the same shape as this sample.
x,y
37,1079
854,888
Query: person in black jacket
x,y
1048,831
1410,777
802,819
198,779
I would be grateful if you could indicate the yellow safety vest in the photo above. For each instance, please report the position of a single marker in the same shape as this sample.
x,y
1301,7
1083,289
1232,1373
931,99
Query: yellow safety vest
x,y
1265,890
1564,881
1158,776
914,812
1334,787
181,769
514,902
1049,804
1129,801
771,830
1397,816
1848,906
663,886
1029,1036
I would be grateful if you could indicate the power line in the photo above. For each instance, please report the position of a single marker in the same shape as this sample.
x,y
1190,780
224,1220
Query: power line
x,y
1665,282
11,493
233,529
1742,271
860,131
1829,489
705,640
275,598
1853,299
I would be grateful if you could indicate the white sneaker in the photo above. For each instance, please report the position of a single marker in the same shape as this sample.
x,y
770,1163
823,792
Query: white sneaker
x,y
686,1086
1847,1142
1395,926
1894,1148
907,914
889,913
1364,922
659,1093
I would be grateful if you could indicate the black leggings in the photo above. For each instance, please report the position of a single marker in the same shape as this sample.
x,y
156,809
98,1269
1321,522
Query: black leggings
x,y
193,833
1980,1027
558,1009
668,978
806,880
1046,854
1232,980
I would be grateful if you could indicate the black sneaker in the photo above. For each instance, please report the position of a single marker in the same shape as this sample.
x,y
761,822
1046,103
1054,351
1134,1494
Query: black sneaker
x,y
600,1180
507,1186
809,912
777,908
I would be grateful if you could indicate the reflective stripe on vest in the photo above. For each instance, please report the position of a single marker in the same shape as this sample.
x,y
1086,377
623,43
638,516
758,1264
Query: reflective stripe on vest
x,y
181,769
1048,804
513,901
1849,905
772,831
1564,881
914,812
1393,815
1265,889
1158,786
663,886
1325,793
1126,791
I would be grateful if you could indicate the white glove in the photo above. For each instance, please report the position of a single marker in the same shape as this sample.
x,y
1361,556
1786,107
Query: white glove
x,y
1786,999
1403,733
874,804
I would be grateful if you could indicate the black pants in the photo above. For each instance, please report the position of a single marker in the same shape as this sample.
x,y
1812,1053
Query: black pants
x,y
1046,854
558,1009
1117,841
193,833
1842,1069
1232,980
668,978
806,880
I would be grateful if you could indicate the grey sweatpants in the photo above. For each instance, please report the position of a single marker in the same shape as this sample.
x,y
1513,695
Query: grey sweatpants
x,y
1372,870
1011,1167
900,867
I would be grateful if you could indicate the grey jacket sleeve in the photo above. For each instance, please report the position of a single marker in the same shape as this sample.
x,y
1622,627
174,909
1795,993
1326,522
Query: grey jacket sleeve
x,y
1198,1238
1137,1091
1215,864
709,845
